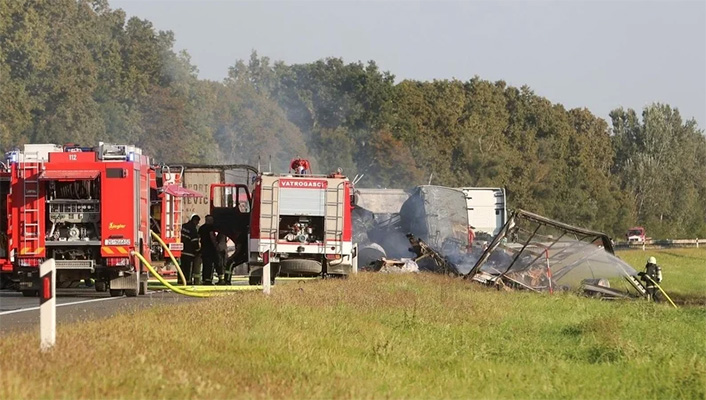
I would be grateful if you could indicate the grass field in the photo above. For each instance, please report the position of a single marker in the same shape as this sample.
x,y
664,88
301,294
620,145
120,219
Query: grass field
x,y
372,336
683,271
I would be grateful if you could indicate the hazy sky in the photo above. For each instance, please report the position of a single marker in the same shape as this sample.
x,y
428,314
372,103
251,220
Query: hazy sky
x,y
594,54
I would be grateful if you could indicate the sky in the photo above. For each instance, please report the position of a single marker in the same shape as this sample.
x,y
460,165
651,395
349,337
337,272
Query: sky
x,y
595,54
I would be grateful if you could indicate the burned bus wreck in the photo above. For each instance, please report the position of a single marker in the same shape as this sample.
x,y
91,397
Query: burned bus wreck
x,y
536,253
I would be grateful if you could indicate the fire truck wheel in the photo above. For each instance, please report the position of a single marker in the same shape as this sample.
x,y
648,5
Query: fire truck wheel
x,y
101,286
300,267
30,293
116,292
131,292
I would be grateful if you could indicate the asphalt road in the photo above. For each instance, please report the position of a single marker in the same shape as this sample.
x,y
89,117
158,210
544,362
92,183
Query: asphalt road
x,y
18,313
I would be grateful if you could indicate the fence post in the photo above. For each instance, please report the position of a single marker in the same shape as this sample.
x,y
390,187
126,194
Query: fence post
x,y
266,272
47,304
697,243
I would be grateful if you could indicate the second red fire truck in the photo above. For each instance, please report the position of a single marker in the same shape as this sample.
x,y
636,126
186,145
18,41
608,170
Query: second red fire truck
x,y
304,221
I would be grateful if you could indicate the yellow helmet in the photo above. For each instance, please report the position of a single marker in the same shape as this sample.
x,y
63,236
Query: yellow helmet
x,y
652,260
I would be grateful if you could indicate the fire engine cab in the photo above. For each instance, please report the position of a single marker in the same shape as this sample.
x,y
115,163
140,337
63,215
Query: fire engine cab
x,y
88,208
304,222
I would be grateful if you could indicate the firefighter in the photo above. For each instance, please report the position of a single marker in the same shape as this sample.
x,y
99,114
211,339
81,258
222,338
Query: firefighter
x,y
652,276
190,241
220,263
209,255
229,264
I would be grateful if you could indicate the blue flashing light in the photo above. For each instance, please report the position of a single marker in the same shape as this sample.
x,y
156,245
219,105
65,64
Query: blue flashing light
x,y
12,156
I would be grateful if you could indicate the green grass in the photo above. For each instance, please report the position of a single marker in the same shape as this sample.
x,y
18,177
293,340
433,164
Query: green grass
x,y
683,271
372,336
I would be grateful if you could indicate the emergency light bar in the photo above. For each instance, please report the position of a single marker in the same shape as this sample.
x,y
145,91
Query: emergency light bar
x,y
12,156
117,152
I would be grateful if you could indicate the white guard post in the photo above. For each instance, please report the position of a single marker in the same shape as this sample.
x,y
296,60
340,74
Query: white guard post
x,y
355,258
266,272
47,304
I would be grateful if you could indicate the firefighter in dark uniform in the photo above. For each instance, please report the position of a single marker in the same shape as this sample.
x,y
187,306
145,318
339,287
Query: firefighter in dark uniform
x,y
220,263
209,254
652,276
190,240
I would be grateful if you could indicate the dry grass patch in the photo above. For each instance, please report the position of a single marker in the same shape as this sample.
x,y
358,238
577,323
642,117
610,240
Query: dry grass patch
x,y
371,336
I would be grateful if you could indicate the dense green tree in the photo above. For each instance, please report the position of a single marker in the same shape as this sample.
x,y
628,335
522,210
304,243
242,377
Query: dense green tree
x,y
78,71
660,163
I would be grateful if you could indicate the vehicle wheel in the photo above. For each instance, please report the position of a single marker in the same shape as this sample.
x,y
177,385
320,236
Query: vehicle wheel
x,y
30,293
116,292
131,292
255,280
101,286
300,267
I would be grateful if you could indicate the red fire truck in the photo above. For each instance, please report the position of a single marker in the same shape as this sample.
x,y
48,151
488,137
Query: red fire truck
x,y
304,221
87,208
5,263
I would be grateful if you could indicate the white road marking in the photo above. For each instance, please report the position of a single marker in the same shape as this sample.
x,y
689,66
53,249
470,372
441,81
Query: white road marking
x,y
59,305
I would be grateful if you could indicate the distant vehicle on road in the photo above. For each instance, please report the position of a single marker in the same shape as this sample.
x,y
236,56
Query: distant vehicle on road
x,y
636,235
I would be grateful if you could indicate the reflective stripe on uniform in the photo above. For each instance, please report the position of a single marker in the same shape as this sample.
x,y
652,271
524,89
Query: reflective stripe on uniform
x,y
183,253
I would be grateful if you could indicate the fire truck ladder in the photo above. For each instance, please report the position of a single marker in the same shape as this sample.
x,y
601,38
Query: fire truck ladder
x,y
269,210
30,209
334,217
173,213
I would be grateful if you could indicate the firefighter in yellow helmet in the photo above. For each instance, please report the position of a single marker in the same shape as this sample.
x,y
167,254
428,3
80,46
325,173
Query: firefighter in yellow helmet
x,y
652,276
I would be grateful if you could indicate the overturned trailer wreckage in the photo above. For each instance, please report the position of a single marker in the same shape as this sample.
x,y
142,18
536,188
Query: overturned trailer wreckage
x,y
536,253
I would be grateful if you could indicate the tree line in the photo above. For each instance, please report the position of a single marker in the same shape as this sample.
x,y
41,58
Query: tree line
x,y
81,72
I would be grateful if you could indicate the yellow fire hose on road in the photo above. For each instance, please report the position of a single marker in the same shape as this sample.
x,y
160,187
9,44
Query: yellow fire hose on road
x,y
191,289
167,284
661,290
218,289
171,256
196,291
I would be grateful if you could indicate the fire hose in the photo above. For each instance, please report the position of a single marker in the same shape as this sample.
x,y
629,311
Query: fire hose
x,y
165,283
661,290
188,291
171,256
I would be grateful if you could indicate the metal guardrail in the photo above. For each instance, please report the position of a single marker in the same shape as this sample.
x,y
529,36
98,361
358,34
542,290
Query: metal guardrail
x,y
662,243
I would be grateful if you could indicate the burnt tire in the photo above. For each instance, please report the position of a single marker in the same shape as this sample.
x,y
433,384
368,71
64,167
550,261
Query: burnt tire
x,y
116,292
310,267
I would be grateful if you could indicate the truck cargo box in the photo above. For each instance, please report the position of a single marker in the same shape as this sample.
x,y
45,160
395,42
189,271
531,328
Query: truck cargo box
x,y
438,216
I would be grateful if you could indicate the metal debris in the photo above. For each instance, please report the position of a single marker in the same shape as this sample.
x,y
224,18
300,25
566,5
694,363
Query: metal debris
x,y
535,253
